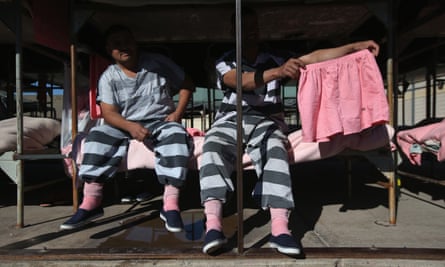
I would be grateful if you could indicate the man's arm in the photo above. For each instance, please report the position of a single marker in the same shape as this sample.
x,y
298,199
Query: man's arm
x,y
291,69
185,93
331,53
248,79
111,115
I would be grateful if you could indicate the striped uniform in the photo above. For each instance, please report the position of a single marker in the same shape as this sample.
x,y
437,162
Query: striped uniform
x,y
263,138
147,100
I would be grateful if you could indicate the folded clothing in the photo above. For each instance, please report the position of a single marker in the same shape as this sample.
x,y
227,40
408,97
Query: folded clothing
x,y
37,133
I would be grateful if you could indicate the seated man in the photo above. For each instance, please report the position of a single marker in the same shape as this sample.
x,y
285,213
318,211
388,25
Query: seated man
x,y
135,99
264,134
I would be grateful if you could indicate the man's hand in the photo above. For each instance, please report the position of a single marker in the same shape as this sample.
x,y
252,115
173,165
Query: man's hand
x,y
138,132
175,116
372,46
291,68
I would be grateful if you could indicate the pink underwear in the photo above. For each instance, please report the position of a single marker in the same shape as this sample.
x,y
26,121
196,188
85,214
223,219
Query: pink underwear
x,y
341,96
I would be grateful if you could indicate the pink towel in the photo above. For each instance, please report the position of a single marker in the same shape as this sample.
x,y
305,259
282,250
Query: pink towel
x,y
419,135
341,96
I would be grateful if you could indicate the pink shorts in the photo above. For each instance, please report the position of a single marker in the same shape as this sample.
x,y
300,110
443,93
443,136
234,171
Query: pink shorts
x,y
341,96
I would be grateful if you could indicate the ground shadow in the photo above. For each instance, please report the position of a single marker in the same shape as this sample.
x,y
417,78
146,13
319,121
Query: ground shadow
x,y
325,182
45,183
430,168
315,184
23,244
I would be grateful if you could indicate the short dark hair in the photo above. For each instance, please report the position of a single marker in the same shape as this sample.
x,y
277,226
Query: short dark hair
x,y
114,29
245,11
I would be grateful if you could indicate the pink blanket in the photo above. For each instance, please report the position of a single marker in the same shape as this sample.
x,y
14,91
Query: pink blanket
x,y
408,139
139,156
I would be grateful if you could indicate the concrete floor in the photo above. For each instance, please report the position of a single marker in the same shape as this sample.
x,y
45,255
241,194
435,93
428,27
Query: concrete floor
x,y
324,220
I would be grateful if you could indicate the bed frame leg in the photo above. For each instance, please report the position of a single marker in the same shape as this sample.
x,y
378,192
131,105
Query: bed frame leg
x,y
391,197
20,194
75,191
390,185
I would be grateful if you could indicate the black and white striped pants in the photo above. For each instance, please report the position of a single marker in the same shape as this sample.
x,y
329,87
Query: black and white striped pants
x,y
105,147
265,144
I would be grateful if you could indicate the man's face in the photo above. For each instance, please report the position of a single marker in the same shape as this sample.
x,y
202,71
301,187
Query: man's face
x,y
121,46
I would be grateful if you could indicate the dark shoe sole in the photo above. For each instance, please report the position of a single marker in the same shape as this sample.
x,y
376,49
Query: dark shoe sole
x,y
285,250
214,246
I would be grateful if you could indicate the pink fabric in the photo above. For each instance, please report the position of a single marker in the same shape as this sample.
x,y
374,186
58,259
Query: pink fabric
x,y
93,189
90,202
170,198
139,156
68,162
195,132
341,96
92,196
279,221
213,213
373,138
406,138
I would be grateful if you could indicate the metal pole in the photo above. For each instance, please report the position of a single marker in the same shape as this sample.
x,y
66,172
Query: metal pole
x,y
434,73
19,113
428,75
73,88
239,117
74,118
392,77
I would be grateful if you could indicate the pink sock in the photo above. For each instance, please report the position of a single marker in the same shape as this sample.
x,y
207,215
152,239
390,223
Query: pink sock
x,y
92,196
171,196
213,213
280,220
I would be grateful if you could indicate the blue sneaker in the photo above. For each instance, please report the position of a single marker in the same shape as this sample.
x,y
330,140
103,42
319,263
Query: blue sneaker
x,y
285,244
82,217
213,241
172,219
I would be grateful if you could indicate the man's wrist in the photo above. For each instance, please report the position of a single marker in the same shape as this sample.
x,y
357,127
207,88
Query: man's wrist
x,y
258,77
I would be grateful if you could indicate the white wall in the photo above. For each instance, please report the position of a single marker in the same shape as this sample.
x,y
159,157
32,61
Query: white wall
x,y
415,104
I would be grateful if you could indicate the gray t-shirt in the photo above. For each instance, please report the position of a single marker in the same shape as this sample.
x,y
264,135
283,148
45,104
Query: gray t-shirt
x,y
149,94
